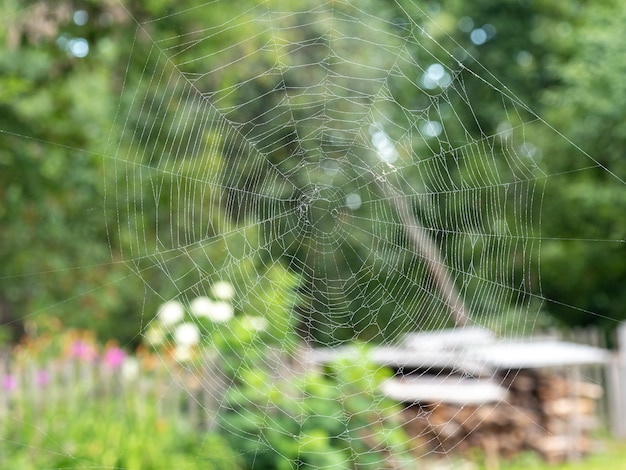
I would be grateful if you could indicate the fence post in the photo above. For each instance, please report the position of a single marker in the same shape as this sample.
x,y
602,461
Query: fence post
x,y
617,385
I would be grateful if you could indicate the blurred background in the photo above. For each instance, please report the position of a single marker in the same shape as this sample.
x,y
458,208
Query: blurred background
x,y
69,89
150,150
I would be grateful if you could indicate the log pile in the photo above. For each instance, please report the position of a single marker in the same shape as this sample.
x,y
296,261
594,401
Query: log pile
x,y
544,412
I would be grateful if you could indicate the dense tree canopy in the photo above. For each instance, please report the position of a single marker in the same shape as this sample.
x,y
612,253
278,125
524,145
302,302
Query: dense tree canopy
x,y
103,217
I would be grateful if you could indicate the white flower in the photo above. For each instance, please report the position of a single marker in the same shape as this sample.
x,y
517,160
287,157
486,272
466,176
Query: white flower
x,y
130,369
201,306
186,334
221,312
183,353
155,335
170,313
223,290
256,323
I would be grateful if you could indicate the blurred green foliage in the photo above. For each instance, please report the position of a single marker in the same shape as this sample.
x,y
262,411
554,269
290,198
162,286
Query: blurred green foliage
x,y
85,407
114,199
336,420
109,433
69,401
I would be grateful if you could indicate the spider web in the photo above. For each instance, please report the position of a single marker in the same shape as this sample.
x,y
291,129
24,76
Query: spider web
x,y
330,164
331,161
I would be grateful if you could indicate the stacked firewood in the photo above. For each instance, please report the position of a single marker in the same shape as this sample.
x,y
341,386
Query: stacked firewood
x,y
544,412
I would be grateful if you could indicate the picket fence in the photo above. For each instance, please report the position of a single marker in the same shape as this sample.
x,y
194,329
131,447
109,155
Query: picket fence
x,y
170,390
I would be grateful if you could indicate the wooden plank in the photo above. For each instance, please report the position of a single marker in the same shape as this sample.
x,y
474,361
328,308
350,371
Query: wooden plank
x,y
615,398
453,338
616,382
437,389
539,354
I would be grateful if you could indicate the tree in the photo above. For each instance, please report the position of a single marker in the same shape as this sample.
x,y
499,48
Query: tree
x,y
582,258
184,166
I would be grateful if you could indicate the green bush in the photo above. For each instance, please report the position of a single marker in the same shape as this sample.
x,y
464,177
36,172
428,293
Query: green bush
x,y
334,420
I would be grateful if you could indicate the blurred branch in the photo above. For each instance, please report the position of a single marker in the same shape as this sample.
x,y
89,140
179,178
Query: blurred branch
x,y
428,250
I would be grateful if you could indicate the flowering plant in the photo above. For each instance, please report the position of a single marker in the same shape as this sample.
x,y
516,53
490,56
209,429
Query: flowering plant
x,y
39,361
72,401
183,331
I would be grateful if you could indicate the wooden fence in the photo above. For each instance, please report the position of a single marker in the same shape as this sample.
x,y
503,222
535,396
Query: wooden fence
x,y
169,390
195,393
611,376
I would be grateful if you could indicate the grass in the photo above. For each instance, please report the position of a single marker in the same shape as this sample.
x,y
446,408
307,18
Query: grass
x,y
612,456
106,433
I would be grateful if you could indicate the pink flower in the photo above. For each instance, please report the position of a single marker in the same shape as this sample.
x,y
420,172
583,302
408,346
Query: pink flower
x,y
43,378
83,351
9,382
114,357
